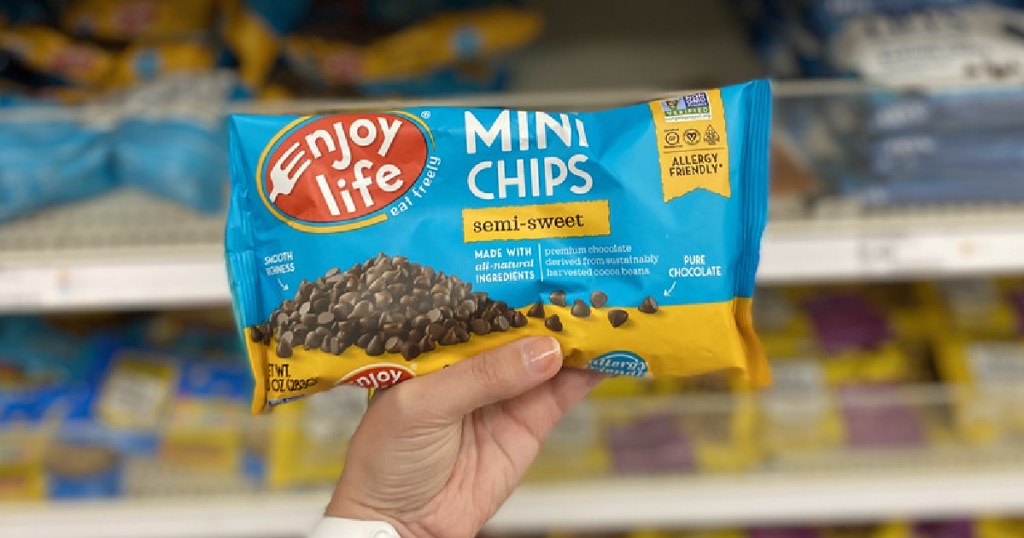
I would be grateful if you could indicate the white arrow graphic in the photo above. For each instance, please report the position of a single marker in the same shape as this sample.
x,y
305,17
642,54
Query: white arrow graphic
x,y
668,292
284,287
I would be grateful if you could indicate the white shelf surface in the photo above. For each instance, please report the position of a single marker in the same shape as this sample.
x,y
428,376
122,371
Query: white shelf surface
x,y
613,504
127,250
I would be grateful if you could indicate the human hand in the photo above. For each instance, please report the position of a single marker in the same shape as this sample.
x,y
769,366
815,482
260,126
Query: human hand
x,y
436,456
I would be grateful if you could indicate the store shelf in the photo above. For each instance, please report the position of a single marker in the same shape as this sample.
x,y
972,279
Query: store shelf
x,y
904,244
607,505
128,250
124,250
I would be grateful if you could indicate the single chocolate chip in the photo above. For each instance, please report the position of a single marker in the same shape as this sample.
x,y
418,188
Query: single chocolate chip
x,y
435,331
580,309
500,323
393,344
426,344
420,322
325,318
376,346
537,310
382,299
449,338
462,334
557,298
415,335
392,329
284,348
362,309
313,340
256,333
410,350
480,327
341,310
553,323
648,306
434,315
364,340
617,317
304,308
519,320
598,299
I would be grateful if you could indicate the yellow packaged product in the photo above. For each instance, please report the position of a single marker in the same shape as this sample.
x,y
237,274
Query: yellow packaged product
x,y
690,533
128,20
574,449
417,50
798,414
987,377
147,61
307,441
49,52
723,427
978,308
999,528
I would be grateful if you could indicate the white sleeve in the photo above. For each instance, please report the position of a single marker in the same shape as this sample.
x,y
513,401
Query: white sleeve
x,y
336,527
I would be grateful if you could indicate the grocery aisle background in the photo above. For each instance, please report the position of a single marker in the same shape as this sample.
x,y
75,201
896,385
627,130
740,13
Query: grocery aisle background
x,y
891,292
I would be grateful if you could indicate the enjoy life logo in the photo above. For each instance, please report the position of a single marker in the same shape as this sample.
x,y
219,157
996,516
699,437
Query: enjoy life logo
x,y
334,169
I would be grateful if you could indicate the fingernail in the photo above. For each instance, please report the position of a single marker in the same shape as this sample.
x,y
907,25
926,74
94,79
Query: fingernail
x,y
539,353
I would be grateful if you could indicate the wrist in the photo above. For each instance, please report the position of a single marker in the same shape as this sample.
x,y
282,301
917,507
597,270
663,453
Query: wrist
x,y
345,508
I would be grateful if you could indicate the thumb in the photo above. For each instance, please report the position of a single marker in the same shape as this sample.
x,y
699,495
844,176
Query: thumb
x,y
492,376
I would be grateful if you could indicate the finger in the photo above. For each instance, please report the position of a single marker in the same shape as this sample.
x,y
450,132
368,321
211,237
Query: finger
x,y
541,408
492,376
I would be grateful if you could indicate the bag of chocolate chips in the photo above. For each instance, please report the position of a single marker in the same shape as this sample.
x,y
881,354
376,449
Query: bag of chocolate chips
x,y
370,248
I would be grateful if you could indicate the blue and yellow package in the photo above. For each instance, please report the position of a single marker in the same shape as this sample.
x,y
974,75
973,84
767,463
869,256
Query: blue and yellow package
x,y
51,162
415,51
49,52
128,20
173,144
362,248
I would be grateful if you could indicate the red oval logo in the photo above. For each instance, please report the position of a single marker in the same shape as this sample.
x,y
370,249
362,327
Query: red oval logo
x,y
338,168
378,376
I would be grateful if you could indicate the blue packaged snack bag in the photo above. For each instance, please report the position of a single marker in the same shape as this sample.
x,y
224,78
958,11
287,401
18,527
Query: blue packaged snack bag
x,y
369,248
172,141
51,162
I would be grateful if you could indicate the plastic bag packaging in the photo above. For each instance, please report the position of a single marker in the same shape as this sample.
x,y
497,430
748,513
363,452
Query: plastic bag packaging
x,y
51,162
129,20
974,42
172,142
48,52
370,248
413,52
981,109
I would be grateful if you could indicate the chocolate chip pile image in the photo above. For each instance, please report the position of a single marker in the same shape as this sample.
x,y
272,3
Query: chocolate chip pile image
x,y
384,305
391,305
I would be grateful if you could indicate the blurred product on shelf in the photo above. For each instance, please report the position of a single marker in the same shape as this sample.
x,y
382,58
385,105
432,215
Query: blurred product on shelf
x,y
953,137
116,405
151,80
909,41
438,42
172,140
51,162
